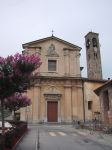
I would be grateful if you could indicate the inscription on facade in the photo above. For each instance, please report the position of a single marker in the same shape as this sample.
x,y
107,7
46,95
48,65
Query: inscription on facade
x,y
52,96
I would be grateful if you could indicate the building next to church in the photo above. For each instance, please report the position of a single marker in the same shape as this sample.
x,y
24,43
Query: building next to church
x,y
105,95
59,93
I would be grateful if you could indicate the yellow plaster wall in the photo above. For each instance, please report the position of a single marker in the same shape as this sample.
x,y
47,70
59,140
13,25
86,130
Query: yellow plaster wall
x,y
89,95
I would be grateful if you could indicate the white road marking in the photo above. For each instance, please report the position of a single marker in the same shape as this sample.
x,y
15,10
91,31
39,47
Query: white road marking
x,y
62,133
82,133
74,134
52,134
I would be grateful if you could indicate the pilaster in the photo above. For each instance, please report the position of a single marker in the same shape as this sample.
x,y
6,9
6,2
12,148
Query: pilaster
x,y
66,62
74,103
36,107
68,104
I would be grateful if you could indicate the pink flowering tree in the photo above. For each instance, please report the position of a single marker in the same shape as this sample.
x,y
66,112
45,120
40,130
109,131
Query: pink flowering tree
x,y
17,101
16,72
15,75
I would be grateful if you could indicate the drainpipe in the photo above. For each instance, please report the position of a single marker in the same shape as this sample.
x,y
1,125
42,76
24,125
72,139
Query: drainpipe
x,y
83,100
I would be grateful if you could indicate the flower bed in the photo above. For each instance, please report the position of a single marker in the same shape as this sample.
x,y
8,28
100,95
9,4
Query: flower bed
x,y
8,141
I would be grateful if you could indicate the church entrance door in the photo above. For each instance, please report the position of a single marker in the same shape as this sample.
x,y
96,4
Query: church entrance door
x,y
52,111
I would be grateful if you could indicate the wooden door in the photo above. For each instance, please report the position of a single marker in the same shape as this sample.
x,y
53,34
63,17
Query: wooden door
x,y
52,111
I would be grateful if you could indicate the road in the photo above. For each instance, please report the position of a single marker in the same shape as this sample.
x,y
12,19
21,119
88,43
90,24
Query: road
x,y
61,138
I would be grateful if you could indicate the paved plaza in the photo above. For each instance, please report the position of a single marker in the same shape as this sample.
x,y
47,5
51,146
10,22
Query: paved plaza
x,y
55,137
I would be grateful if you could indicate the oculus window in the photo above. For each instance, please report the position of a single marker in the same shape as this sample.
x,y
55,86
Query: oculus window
x,y
51,65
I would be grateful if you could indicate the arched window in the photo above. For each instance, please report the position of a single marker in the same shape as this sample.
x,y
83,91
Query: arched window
x,y
94,41
88,44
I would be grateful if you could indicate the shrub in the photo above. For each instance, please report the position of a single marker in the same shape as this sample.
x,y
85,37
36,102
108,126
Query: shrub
x,y
1,142
9,139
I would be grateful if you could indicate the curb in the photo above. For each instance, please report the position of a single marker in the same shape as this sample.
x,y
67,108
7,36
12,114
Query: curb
x,y
19,140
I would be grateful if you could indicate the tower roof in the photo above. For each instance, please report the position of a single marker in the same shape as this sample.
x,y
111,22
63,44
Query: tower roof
x,y
89,33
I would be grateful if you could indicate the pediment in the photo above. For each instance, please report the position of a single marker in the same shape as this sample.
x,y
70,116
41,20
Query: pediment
x,y
52,94
36,43
52,90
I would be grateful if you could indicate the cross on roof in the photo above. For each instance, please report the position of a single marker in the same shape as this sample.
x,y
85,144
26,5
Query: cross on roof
x,y
52,33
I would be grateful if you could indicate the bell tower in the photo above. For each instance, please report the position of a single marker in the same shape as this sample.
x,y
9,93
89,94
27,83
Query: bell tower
x,y
94,67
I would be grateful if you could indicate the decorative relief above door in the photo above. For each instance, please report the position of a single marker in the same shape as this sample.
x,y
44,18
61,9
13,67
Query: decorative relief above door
x,y
52,94
51,51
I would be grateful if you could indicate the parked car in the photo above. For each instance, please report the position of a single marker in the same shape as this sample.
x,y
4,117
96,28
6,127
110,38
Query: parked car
x,y
6,124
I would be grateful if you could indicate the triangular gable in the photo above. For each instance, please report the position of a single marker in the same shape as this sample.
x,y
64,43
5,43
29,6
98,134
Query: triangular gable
x,y
50,38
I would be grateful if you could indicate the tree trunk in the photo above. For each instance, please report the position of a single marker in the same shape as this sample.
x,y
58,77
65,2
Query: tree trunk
x,y
2,116
14,117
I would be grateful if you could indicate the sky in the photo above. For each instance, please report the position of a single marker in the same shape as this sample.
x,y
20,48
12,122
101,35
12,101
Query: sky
x,y
23,21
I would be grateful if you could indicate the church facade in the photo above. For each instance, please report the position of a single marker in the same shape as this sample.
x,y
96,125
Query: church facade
x,y
59,93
